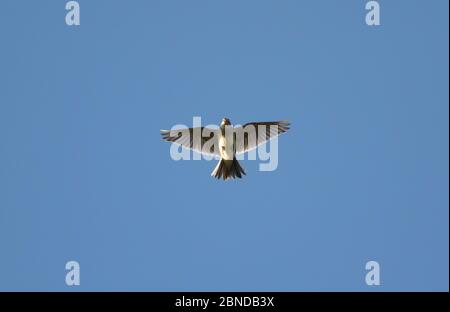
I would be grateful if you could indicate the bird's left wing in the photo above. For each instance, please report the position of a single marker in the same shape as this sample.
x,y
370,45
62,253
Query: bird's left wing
x,y
201,139
252,134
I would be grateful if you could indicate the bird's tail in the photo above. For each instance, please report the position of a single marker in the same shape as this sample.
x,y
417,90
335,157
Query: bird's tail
x,y
228,169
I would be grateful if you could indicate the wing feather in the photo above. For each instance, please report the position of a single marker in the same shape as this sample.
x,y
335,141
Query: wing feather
x,y
263,132
185,138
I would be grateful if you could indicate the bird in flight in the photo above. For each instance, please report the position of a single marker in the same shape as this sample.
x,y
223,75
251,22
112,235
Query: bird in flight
x,y
226,142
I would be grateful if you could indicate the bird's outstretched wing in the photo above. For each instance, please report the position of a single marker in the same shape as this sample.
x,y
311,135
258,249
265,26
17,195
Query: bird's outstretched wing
x,y
205,141
252,134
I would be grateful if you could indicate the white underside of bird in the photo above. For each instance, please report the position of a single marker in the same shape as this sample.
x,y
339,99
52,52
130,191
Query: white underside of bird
x,y
227,143
226,148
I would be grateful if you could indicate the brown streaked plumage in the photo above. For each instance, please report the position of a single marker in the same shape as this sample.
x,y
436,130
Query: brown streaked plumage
x,y
228,167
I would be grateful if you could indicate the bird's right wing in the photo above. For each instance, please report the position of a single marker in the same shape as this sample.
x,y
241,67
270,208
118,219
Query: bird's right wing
x,y
253,134
201,139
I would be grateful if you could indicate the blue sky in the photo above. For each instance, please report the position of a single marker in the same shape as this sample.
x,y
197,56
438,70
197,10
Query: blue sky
x,y
362,174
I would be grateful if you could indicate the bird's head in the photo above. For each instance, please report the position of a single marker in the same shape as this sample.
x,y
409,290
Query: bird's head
x,y
225,122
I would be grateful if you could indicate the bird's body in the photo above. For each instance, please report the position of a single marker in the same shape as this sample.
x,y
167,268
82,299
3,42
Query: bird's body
x,y
225,148
228,141
228,166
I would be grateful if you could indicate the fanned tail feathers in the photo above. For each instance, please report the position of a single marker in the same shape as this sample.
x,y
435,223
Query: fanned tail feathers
x,y
228,169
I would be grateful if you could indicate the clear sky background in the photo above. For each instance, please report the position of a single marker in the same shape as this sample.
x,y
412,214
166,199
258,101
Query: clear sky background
x,y
363,173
